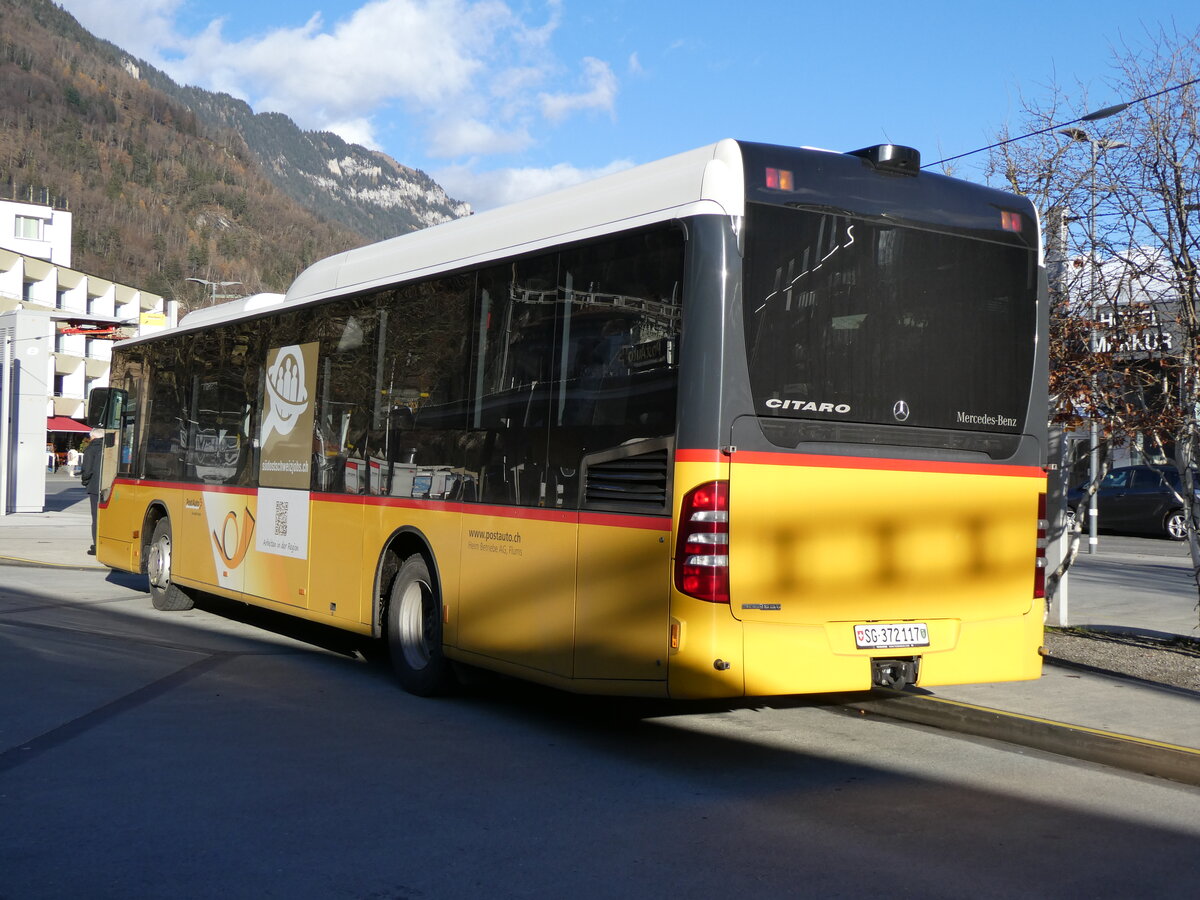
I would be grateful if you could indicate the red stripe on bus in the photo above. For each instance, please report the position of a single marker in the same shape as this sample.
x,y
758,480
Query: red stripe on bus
x,y
408,503
352,499
769,458
699,456
617,520
886,464
186,486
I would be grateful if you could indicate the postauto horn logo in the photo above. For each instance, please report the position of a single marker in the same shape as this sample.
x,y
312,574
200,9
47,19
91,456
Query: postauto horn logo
x,y
286,392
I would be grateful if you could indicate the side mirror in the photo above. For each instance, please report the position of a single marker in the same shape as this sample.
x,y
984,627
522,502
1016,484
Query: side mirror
x,y
106,408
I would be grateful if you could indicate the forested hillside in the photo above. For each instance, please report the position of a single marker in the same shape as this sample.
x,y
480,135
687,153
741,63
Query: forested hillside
x,y
158,194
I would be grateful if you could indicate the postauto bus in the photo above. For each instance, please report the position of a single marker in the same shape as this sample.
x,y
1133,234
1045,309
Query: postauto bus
x,y
748,420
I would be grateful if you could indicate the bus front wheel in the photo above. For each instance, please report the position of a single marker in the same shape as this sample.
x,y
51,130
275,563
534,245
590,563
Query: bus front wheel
x,y
414,631
164,593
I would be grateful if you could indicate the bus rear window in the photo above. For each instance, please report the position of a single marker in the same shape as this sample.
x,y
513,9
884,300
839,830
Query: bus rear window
x,y
850,320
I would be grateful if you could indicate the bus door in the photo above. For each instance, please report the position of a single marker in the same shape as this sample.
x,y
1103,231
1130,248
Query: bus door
x,y
114,411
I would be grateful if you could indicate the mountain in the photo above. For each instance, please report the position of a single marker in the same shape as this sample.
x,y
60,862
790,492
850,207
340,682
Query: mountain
x,y
168,183
363,189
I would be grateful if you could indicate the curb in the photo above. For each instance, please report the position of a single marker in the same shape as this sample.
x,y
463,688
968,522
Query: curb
x,y
21,562
1121,751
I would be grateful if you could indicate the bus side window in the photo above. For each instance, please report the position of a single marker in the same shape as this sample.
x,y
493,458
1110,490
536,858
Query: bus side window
x,y
129,372
618,375
348,338
167,401
514,347
218,447
417,443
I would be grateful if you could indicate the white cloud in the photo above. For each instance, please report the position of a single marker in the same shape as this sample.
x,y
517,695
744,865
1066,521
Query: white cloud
x,y
470,137
601,93
471,76
144,28
485,190
355,131
423,54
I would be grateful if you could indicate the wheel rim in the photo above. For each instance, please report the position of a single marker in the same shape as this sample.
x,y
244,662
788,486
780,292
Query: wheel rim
x,y
415,627
160,563
1177,526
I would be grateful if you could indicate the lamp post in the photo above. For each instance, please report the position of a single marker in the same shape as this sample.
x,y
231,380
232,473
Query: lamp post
x,y
1096,144
213,285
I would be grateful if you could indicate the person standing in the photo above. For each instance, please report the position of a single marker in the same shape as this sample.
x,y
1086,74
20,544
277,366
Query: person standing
x,y
89,474
73,461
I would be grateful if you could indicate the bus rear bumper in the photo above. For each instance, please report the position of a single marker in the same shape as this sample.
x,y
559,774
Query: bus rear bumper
x,y
798,659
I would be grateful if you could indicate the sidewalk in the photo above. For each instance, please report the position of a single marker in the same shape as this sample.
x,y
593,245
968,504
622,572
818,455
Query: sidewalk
x,y
59,536
1113,720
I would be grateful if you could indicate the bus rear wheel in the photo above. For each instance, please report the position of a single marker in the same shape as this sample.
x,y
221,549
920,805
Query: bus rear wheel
x,y
414,631
164,593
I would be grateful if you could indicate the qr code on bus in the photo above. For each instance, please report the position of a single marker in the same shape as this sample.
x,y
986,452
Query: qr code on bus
x,y
281,517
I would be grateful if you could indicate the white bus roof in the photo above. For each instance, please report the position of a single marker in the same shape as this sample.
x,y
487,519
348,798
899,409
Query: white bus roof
x,y
223,312
708,180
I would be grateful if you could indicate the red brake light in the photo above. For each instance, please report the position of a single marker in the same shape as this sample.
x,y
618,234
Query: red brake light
x,y
702,548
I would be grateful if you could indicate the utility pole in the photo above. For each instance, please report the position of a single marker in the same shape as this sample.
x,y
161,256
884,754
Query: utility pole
x,y
1078,134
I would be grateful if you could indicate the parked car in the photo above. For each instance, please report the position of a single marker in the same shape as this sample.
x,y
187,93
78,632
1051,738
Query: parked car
x,y
1141,499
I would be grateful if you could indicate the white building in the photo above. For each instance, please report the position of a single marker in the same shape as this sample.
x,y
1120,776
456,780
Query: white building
x,y
75,317
37,230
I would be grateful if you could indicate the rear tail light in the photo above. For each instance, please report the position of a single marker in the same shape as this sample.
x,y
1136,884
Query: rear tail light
x,y
1039,570
1010,221
779,179
702,549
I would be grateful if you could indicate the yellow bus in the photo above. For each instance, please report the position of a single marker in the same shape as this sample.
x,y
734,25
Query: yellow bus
x,y
749,420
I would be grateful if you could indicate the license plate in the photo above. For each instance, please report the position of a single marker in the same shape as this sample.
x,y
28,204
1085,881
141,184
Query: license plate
x,y
886,635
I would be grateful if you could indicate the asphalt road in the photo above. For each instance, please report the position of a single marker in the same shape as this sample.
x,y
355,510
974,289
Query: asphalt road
x,y
227,752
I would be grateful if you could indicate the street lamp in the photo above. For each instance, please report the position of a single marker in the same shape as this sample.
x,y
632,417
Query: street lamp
x,y
1096,144
213,285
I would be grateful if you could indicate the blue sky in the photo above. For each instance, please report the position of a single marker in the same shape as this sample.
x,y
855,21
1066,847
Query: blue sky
x,y
502,100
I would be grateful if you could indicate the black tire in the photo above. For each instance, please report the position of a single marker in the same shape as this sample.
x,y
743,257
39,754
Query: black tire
x,y
414,631
1175,525
164,593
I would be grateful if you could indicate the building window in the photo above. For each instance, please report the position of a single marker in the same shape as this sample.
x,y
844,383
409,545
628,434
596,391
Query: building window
x,y
29,227
60,300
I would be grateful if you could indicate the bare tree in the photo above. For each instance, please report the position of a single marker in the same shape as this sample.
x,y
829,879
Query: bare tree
x,y
1119,191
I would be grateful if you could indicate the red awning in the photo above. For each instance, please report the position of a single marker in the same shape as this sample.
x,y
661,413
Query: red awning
x,y
62,423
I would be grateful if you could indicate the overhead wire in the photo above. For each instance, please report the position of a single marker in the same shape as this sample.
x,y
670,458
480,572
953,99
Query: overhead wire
x,y
1089,117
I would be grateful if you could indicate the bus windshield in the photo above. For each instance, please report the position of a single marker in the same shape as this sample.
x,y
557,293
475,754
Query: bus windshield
x,y
858,321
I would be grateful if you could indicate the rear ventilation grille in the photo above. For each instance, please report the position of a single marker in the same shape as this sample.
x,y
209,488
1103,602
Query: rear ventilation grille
x,y
633,479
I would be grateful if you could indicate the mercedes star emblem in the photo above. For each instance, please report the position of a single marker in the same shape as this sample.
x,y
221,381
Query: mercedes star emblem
x,y
900,411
